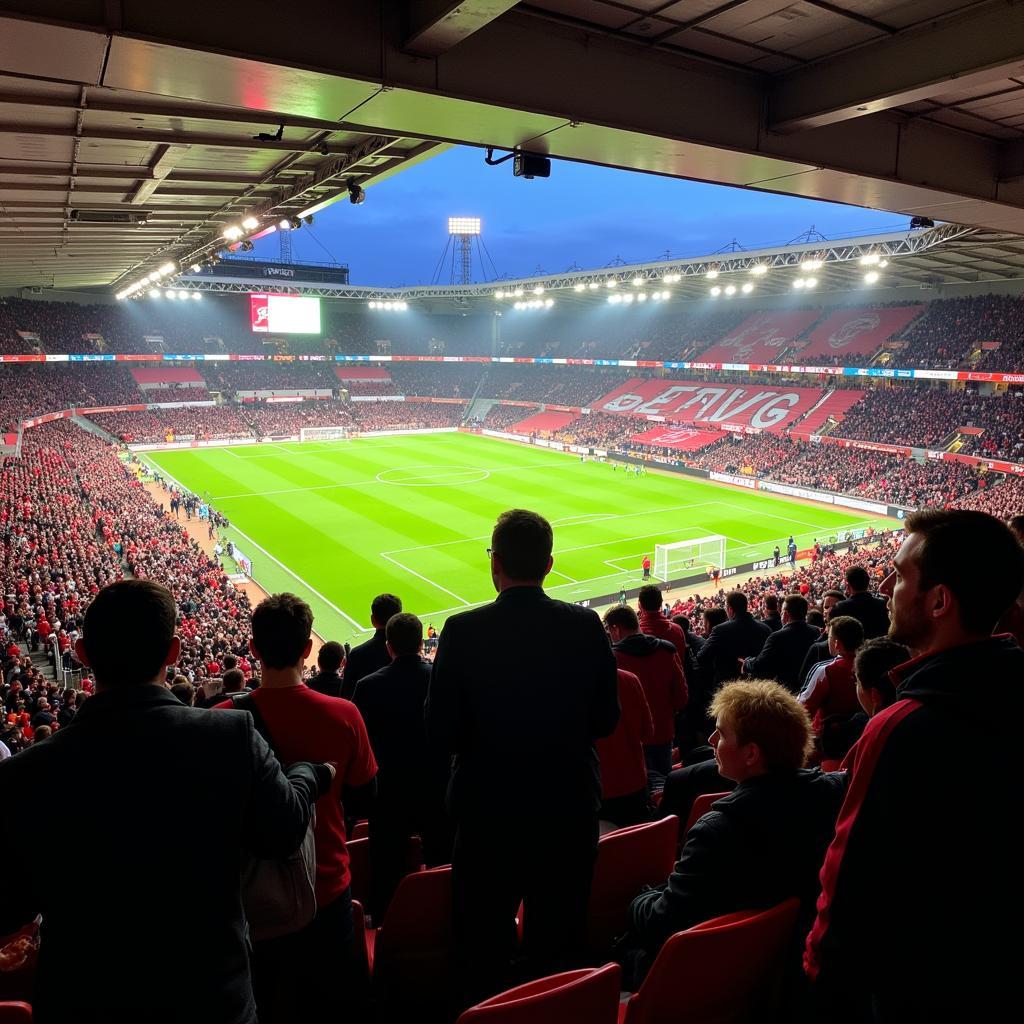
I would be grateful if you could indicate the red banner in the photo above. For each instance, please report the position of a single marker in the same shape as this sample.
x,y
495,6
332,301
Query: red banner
x,y
683,438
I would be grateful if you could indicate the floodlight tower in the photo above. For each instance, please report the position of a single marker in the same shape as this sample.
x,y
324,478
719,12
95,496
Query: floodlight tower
x,y
461,232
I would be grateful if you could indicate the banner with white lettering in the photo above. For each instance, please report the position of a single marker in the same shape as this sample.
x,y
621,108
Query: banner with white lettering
x,y
761,407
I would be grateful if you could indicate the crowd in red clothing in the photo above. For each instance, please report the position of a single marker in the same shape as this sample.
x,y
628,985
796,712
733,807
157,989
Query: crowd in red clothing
x,y
156,425
291,417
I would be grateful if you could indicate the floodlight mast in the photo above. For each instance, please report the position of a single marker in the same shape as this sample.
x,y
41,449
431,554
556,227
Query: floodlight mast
x,y
462,230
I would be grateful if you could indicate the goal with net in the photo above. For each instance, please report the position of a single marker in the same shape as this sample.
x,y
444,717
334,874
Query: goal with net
x,y
689,557
324,433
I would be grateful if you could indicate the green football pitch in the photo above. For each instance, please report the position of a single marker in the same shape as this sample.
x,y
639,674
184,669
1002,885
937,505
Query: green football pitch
x,y
341,521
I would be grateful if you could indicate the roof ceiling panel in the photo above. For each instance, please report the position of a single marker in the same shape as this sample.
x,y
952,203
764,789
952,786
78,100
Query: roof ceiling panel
x,y
606,15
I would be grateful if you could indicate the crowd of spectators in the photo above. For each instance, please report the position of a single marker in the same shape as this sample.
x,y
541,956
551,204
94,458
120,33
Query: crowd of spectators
x,y
601,430
758,454
436,380
502,417
291,417
270,376
190,422
407,415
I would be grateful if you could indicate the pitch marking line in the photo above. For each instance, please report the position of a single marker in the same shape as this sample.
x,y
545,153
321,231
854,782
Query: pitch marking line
x,y
278,562
426,579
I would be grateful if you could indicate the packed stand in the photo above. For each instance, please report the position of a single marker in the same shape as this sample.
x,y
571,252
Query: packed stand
x,y
576,387
291,417
407,415
436,380
156,425
270,376
601,430
503,417
758,454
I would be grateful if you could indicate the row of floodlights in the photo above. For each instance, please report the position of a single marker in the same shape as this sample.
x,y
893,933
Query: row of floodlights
x,y
535,304
389,306
171,293
146,283
629,297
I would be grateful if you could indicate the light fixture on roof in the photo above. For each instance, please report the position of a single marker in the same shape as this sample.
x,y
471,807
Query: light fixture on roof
x,y
356,195
871,277
579,287
615,299
712,274
250,223
747,288
811,282
499,295
628,297
518,293
812,263
196,296
612,283
759,269
730,289
539,290
167,268
195,268
715,292
154,293
637,282
548,303
232,233
641,296
593,286
870,259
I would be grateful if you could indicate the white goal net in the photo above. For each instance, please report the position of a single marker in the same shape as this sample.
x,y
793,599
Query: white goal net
x,y
689,557
324,433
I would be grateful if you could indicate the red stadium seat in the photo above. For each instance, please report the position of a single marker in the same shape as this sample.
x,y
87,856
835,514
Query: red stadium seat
x,y
700,807
360,830
411,956
627,860
725,971
588,996
15,1013
359,865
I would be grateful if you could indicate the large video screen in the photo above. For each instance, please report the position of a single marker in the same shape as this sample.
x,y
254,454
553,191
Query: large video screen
x,y
284,314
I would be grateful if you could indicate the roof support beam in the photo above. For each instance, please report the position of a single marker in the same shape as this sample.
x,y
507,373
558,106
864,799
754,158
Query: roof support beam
x,y
434,26
983,45
160,166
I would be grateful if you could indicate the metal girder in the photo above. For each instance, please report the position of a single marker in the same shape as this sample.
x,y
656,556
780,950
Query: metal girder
x,y
985,44
435,26
160,166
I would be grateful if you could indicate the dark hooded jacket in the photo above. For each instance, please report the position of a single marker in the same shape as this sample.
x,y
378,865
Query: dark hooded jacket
x,y
657,665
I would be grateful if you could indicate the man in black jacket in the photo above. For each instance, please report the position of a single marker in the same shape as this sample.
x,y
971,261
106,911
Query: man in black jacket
x,y
372,654
784,651
329,660
411,779
164,846
818,651
520,690
771,617
867,608
741,636
911,919
764,842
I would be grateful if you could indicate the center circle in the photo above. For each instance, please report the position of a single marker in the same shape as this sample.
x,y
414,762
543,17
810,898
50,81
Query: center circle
x,y
432,476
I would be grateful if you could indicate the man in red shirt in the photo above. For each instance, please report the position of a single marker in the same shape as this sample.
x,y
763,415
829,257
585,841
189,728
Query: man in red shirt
x,y
624,797
660,671
301,976
647,567
654,623
831,688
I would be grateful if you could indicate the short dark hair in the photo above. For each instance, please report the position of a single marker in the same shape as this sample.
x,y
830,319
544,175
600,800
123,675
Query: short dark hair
x,y
714,616
522,540
622,616
771,603
330,656
848,631
234,680
281,626
650,598
815,618
1016,525
184,692
127,632
837,594
857,577
874,660
228,662
683,622
796,605
383,607
404,632
737,601
976,556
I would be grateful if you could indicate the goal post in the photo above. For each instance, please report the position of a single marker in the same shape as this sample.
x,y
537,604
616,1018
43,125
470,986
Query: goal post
x,y
324,433
689,557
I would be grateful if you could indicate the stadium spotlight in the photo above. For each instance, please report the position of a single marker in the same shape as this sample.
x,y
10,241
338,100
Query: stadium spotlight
x,y
579,287
518,305
627,297
811,264
759,269
730,289
614,299
195,268
870,259
641,296
232,233
811,282
799,283
499,295
154,293
250,223
747,288
593,286
518,293
196,296
464,226
637,282
883,263
171,293
612,283
538,290
715,292
871,277
548,303
372,304
712,274
167,268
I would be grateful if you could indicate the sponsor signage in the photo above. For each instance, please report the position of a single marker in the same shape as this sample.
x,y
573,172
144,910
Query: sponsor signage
x,y
738,481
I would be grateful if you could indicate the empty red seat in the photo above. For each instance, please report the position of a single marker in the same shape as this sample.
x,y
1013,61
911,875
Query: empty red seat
x,y
15,1013
725,971
700,807
627,860
588,996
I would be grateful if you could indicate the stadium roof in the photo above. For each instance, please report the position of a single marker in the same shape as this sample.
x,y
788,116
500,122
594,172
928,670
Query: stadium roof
x,y
913,106
947,254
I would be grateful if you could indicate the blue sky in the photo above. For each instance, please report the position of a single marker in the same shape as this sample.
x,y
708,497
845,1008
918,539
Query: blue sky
x,y
581,214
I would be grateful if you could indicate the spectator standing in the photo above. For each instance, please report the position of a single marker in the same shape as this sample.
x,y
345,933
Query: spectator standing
x,y
741,636
411,779
307,975
656,664
525,790
329,659
655,622
867,608
831,688
371,654
935,958
771,618
784,650
625,799
165,846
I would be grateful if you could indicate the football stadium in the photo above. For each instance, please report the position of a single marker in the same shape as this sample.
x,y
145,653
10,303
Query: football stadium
x,y
427,632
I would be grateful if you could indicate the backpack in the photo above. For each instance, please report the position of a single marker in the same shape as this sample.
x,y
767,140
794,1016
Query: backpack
x,y
278,896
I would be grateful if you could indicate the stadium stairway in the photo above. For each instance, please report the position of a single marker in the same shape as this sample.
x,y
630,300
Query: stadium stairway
x,y
478,409
835,406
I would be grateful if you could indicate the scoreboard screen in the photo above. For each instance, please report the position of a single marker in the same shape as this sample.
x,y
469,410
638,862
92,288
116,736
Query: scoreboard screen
x,y
284,314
